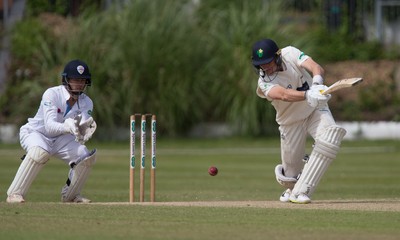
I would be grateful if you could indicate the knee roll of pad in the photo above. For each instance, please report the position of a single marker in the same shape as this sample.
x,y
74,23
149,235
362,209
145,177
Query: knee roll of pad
x,y
37,154
329,143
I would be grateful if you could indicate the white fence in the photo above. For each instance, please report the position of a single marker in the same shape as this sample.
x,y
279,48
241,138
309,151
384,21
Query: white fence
x,y
355,131
371,130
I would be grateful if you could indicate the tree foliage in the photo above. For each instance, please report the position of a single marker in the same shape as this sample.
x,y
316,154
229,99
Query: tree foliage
x,y
186,61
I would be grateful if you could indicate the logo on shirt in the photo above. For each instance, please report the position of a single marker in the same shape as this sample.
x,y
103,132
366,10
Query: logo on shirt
x,y
301,55
59,111
89,112
265,86
289,86
47,103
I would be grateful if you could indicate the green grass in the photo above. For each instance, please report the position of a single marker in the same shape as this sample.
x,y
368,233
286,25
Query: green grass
x,y
56,221
363,170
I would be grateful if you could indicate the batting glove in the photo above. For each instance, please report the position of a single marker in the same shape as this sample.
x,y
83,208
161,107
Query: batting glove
x,y
317,80
314,97
318,88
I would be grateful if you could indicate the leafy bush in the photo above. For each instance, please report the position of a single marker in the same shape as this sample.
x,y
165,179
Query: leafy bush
x,y
160,57
339,46
380,99
35,8
32,70
232,31
187,62
145,58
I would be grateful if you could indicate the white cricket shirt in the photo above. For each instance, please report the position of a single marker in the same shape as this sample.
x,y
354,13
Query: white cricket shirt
x,y
293,77
52,112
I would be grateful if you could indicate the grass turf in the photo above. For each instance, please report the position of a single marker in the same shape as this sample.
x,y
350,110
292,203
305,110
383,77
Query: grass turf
x,y
363,170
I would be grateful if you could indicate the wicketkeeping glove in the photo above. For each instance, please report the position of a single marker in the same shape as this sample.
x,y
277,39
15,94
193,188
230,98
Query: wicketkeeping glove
x,y
71,126
86,130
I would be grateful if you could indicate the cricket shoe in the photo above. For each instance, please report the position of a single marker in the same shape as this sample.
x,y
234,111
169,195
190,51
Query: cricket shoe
x,y
78,199
301,198
15,198
285,197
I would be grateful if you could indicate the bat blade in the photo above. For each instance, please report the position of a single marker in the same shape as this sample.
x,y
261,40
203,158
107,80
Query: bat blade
x,y
344,83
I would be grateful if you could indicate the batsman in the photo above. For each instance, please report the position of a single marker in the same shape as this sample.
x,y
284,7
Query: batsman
x,y
60,129
292,82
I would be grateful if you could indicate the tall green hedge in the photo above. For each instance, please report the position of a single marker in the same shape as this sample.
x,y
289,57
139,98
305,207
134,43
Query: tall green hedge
x,y
186,61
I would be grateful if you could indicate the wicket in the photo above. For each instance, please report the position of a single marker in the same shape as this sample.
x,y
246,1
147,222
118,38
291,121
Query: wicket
x,y
142,157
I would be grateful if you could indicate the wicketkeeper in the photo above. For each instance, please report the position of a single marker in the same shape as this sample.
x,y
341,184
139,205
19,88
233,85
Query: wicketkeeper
x,y
301,110
60,128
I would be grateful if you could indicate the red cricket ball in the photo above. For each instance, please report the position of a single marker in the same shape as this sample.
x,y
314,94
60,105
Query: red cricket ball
x,y
213,171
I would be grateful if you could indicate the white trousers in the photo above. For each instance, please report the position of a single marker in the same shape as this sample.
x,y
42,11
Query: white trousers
x,y
63,147
294,136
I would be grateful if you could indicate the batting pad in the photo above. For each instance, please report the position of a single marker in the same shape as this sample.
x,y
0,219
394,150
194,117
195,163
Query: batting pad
x,y
78,176
325,150
33,162
286,182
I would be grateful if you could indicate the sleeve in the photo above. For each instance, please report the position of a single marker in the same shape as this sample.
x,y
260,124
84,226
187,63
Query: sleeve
x,y
52,124
263,88
297,56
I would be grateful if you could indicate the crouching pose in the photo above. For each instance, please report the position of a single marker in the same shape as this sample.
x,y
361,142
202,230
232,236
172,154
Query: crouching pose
x,y
292,82
60,128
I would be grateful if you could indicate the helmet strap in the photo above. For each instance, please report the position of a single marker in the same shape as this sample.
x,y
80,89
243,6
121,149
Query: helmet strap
x,y
74,94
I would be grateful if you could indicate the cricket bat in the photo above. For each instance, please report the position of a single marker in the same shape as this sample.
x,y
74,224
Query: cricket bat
x,y
344,83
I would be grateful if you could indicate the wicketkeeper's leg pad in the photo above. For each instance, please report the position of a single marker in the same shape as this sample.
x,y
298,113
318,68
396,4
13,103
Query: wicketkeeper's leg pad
x,y
325,150
31,165
286,182
77,178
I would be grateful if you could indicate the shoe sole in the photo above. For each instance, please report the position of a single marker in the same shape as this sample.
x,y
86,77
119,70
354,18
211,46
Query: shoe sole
x,y
9,201
299,202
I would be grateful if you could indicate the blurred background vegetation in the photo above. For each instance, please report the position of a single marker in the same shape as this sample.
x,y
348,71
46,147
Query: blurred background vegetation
x,y
186,61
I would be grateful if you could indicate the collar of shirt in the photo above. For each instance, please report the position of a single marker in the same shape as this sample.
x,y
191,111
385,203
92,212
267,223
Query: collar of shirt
x,y
65,93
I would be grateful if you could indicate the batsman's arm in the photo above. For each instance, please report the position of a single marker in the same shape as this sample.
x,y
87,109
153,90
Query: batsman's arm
x,y
315,69
287,95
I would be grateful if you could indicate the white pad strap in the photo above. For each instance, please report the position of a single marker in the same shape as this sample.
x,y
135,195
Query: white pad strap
x,y
287,182
78,176
325,150
28,170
